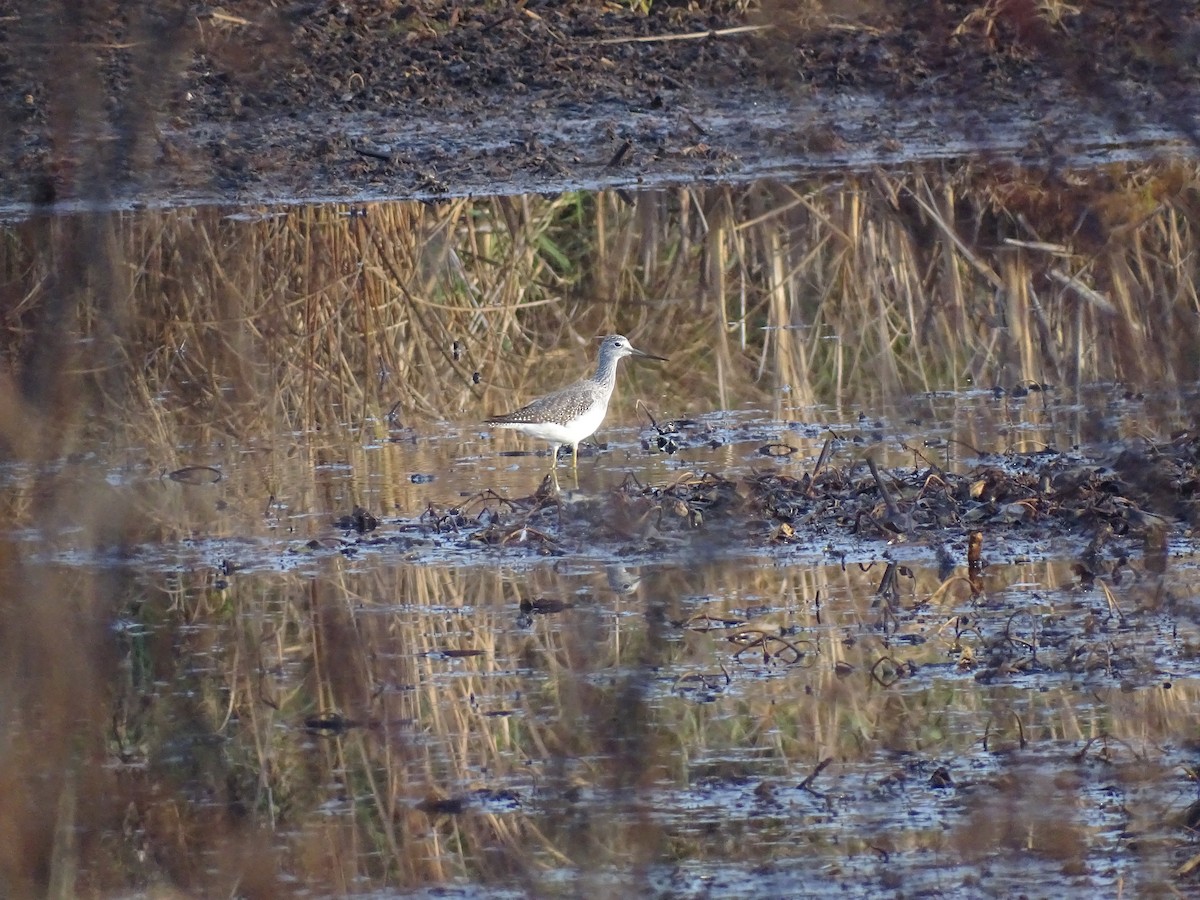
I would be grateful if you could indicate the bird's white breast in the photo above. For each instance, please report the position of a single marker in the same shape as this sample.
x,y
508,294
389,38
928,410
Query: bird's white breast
x,y
572,431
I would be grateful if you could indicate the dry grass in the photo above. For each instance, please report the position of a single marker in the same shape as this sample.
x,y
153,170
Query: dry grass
x,y
191,324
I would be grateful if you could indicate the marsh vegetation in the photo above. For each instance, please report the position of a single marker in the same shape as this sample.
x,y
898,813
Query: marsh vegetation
x,y
212,687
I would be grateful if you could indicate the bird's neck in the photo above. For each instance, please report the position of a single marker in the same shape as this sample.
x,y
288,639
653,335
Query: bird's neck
x,y
606,371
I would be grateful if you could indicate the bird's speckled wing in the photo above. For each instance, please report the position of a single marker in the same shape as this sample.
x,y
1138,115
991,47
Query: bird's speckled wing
x,y
561,406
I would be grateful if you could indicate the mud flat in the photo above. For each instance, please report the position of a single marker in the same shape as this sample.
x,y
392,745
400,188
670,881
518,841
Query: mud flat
x,y
320,101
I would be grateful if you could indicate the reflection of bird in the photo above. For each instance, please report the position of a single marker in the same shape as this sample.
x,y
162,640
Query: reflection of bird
x,y
575,412
622,580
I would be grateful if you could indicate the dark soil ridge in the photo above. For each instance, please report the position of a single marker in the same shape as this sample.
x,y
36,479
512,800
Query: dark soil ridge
x,y
167,104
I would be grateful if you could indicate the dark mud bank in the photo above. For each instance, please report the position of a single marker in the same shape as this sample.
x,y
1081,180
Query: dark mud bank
x,y
319,101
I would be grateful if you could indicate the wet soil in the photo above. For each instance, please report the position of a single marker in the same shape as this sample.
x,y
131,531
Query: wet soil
x,y
256,101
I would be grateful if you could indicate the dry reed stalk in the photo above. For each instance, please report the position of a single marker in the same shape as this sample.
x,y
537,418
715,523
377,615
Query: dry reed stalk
x,y
320,319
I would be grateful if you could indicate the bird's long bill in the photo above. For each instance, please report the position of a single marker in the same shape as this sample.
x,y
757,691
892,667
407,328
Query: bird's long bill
x,y
636,352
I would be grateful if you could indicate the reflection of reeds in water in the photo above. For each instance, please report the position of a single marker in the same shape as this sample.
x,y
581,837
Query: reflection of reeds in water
x,y
842,291
596,718
180,328
592,717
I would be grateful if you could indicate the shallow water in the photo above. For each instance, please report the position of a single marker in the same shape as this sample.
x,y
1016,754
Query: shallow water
x,y
570,714
258,505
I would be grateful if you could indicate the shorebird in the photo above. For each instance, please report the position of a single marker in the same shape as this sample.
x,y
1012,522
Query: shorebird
x,y
575,412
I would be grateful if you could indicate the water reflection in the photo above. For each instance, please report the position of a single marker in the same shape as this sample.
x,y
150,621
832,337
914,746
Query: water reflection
x,y
445,713
479,741
264,503
279,601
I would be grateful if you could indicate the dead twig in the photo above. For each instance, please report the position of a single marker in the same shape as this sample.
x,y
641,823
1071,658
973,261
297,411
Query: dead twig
x,y
806,784
689,36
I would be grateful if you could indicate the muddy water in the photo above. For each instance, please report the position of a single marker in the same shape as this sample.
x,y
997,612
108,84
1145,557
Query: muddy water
x,y
409,707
